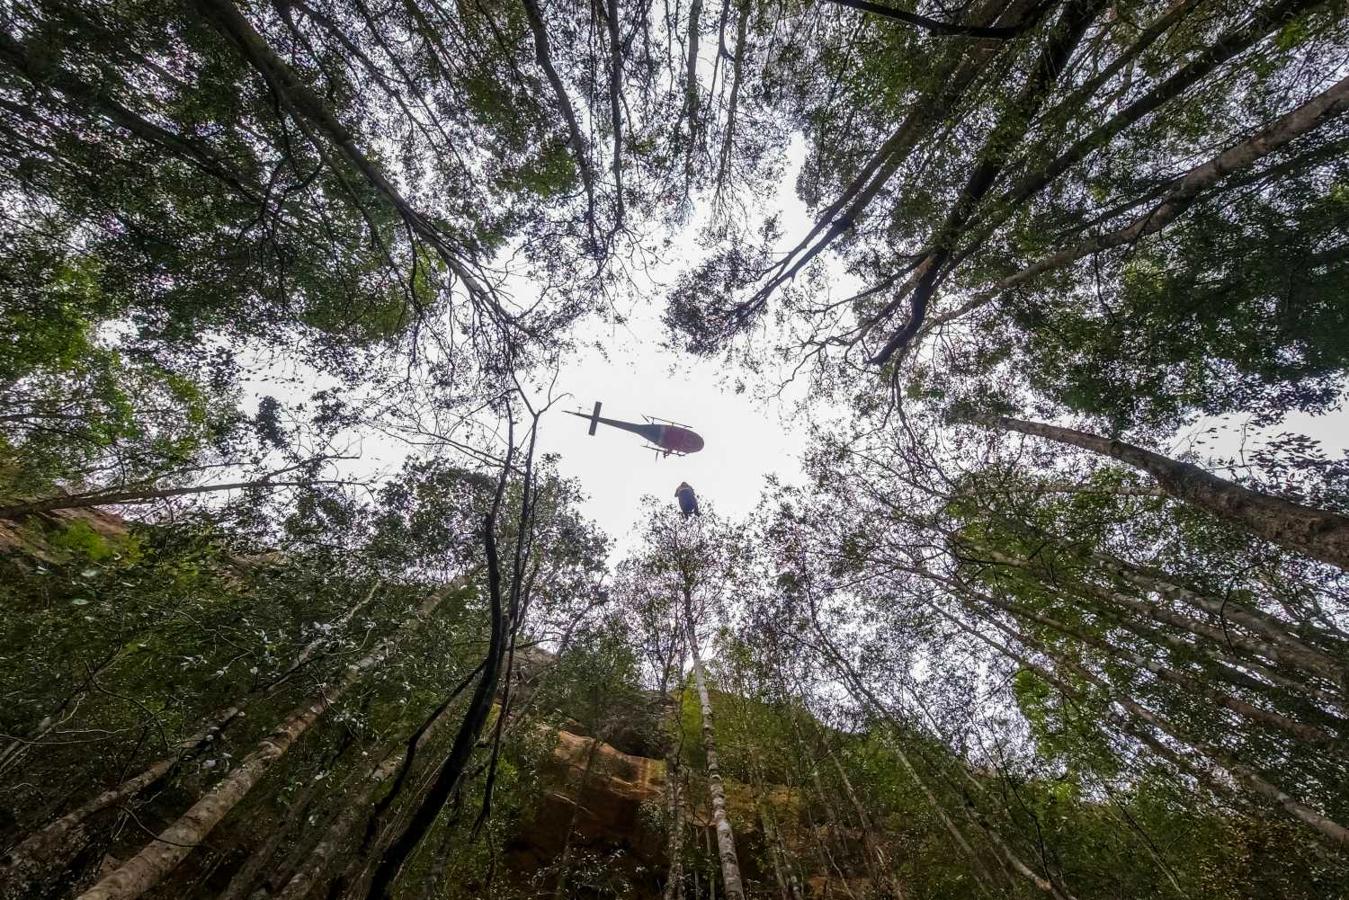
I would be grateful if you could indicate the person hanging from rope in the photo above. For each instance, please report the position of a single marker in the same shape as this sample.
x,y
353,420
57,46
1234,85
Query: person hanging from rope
x,y
688,501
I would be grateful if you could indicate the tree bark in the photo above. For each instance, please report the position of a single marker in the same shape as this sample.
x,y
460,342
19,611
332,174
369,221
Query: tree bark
x,y
952,79
1317,533
247,874
1253,620
302,882
691,100
730,863
543,55
133,496
148,867
42,73
1327,105
674,879
737,65
1222,638
865,695
62,838
1329,830
1005,136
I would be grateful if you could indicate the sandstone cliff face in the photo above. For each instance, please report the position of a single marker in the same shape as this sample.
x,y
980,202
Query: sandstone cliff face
x,y
31,538
603,804
611,804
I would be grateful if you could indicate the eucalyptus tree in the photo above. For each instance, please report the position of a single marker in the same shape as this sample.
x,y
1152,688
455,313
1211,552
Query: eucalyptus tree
x,y
682,573
190,188
1045,198
1146,639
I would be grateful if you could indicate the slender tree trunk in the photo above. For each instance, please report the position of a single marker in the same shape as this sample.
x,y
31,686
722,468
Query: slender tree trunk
x,y
865,695
1318,533
1205,63
114,497
730,864
298,886
674,880
616,102
1329,830
935,26
888,878
833,821
62,838
18,748
737,65
308,106
40,71
1005,136
148,867
243,879
1254,620
1322,108
1222,638
1308,734
953,78
543,55
1221,665
449,775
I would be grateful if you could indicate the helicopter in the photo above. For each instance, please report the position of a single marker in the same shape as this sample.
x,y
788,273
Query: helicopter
x,y
666,437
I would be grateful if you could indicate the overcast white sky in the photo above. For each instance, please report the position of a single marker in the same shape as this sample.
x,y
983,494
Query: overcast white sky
x,y
747,438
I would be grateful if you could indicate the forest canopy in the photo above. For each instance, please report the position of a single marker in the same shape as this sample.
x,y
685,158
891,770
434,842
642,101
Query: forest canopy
x,y
1025,619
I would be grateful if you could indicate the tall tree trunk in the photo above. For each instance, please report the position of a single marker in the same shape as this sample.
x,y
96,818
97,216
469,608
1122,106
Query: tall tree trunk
x,y
543,55
616,103
954,75
737,65
1324,107
674,879
1224,638
132,496
449,775
1255,620
1225,47
1326,828
1318,533
1002,141
936,26
298,886
62,838
730,864
39,69
306,105
148,867
833,821
1308,734
888,878
248,873
867,697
